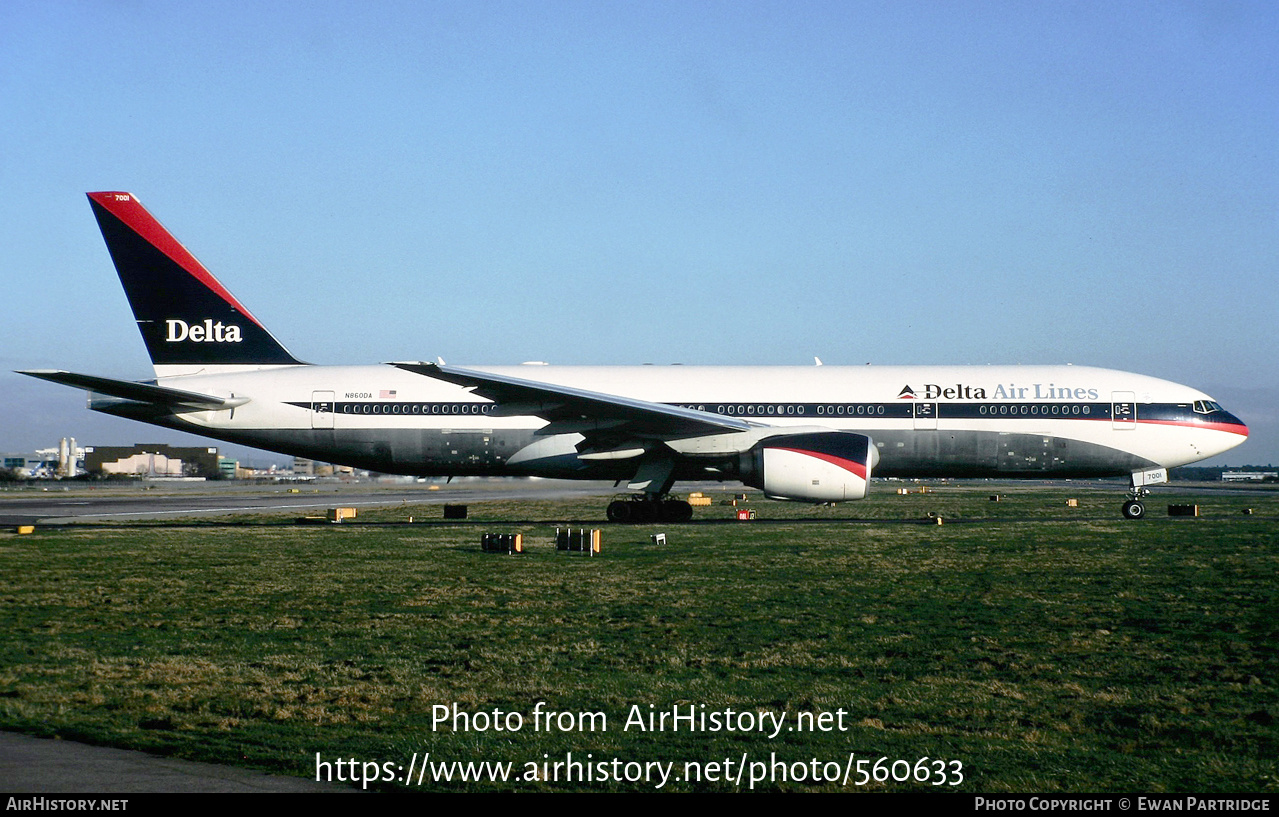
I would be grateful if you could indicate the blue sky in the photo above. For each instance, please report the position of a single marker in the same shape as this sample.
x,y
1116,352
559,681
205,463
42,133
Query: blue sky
x,y
695,182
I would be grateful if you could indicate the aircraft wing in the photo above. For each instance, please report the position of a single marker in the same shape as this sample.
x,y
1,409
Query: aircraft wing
x,y
569,410
177,400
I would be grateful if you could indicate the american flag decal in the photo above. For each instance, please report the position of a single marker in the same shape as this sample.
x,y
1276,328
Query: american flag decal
x,y
386,394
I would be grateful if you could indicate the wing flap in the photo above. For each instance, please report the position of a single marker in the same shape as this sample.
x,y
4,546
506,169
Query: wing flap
x,y
568,408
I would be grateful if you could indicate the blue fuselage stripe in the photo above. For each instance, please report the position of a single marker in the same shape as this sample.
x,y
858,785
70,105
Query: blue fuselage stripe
x,y
899,410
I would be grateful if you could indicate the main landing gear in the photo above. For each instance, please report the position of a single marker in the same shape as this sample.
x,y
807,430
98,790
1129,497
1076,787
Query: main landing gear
x,y
642,509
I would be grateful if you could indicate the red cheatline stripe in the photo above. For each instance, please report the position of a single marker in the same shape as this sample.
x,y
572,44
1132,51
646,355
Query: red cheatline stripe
x,y
855,467
127,208
1230,428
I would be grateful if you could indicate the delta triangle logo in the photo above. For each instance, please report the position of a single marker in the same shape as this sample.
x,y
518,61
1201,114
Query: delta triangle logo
x,y
907,393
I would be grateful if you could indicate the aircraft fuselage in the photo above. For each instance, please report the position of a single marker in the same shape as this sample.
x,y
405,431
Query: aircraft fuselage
x,y
960,421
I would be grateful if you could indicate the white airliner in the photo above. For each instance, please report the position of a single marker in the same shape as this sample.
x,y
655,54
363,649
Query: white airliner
x,y
813,433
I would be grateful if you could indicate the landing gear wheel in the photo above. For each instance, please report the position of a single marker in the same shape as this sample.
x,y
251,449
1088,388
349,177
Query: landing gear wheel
x,y
619,511
647,510
644,511
1134,509
676,510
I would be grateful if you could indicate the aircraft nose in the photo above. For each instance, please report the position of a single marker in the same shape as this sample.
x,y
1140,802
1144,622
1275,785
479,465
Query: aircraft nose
x,y
1237,432
1234,424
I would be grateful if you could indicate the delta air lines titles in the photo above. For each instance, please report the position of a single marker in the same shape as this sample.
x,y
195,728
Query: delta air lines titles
x,y
1010,391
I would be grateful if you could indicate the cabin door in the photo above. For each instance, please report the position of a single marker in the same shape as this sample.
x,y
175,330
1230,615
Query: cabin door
x,y
1123,410
925,416
321,409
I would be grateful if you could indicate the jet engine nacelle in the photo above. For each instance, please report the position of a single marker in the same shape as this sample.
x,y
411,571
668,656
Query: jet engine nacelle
x,y
827,466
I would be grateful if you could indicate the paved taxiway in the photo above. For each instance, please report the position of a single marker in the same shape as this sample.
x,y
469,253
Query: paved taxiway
x,y
86,502
68,503
44,766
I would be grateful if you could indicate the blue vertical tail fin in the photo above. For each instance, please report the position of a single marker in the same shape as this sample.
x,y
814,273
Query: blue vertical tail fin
x,y
188,320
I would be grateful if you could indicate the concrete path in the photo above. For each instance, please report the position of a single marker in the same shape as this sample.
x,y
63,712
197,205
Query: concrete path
x,y
43,766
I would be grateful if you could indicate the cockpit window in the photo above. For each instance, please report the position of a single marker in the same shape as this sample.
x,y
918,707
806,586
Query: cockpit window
x,y
1207,406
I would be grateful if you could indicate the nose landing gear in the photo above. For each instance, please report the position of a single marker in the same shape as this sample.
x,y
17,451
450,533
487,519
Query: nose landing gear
x,y
1134,508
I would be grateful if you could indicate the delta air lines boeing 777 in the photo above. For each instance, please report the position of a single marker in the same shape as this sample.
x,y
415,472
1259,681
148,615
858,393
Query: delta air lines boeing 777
x,y
812,434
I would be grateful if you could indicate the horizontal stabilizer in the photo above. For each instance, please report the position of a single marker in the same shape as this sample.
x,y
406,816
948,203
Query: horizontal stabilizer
x,y
175,399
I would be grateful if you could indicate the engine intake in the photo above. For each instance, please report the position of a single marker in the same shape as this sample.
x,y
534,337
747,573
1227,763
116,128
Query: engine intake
x,y
829,466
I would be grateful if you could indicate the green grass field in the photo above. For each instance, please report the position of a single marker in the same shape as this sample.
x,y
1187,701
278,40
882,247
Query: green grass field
x,y
1044,648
